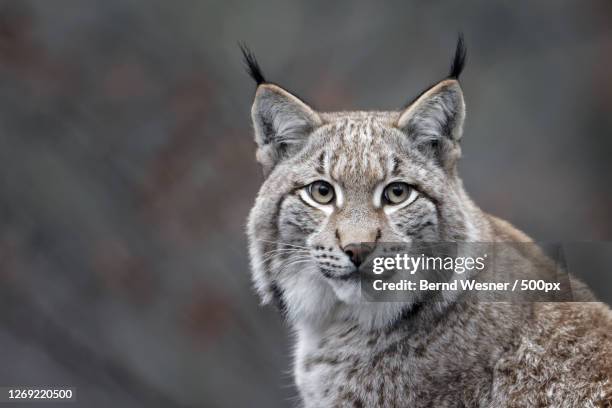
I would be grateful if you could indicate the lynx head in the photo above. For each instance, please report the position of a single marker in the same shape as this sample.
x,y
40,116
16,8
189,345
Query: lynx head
x,y
335,180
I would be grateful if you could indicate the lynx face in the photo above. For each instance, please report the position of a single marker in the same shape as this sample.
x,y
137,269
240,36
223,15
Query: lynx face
x,y
335,180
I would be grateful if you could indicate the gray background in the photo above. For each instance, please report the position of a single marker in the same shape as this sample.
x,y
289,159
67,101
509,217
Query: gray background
x,y
127,167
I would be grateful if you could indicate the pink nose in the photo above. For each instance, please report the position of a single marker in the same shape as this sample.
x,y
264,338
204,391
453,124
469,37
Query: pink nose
x,y
358,253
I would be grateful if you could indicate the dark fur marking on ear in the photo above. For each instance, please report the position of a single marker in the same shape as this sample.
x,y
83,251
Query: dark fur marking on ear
x,y
459,59
456,69
254,71
268,131
252,65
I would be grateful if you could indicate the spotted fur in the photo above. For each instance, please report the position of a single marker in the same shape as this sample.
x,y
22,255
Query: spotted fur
x,y
451,353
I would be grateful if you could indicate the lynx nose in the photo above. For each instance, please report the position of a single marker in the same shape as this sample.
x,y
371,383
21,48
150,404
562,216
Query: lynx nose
x,y
358,253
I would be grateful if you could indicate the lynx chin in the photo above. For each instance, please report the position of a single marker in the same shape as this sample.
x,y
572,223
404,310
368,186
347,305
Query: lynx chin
x,y
336,179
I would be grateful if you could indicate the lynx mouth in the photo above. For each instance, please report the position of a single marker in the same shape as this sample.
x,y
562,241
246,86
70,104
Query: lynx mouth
x,y
356,273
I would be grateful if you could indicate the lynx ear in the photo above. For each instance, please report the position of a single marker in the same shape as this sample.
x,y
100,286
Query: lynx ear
x,y
434,121
282,124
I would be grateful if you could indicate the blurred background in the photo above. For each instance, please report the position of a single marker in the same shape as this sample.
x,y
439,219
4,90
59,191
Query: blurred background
x,y
127,168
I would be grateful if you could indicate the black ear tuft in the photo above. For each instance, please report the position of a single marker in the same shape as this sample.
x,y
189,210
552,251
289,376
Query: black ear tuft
x,y
252,65
459,59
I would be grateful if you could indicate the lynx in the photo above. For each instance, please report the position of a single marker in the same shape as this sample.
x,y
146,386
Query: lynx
x,y
335,180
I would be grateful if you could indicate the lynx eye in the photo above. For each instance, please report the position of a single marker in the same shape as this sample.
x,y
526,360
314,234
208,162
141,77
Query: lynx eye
x,y
396,193
321,191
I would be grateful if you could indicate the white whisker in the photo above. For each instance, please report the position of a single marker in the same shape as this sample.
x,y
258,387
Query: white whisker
x,y
283,243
